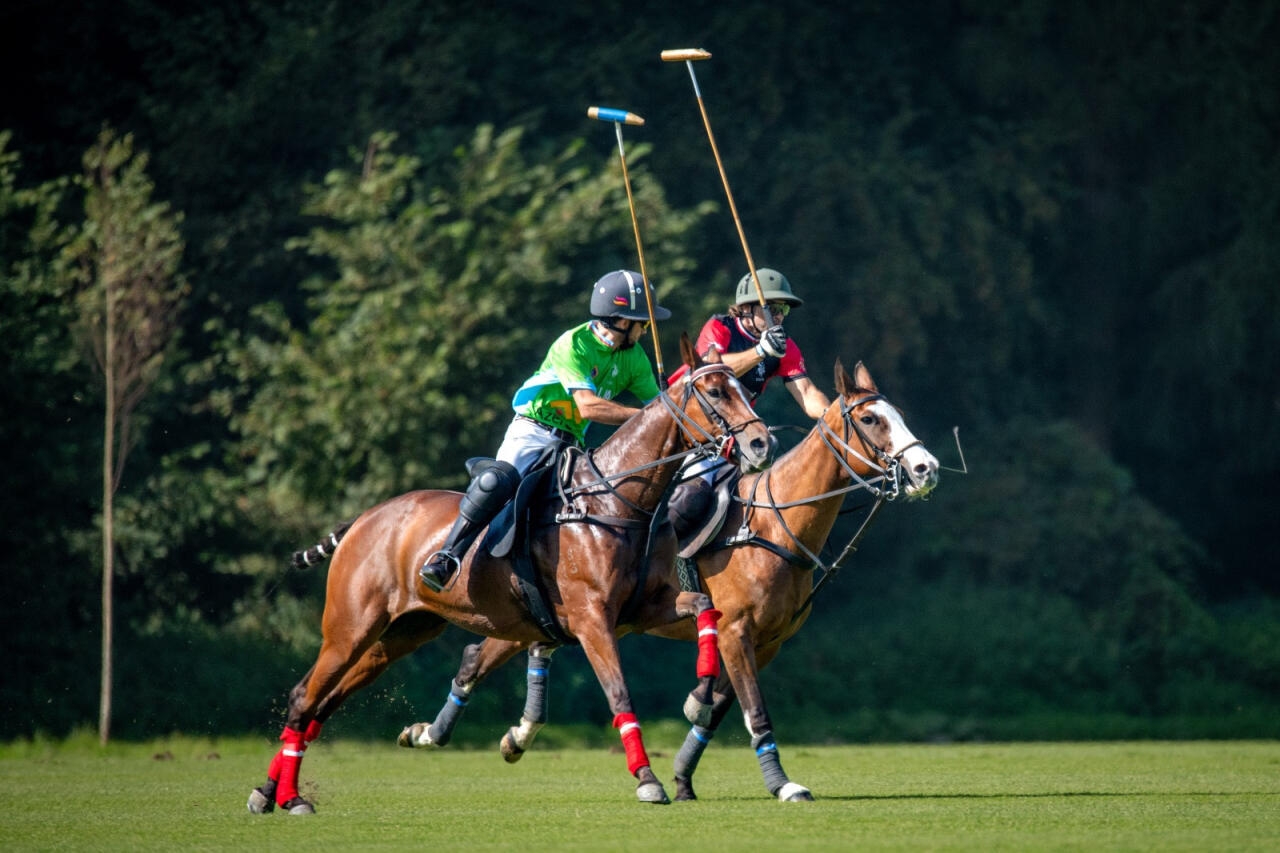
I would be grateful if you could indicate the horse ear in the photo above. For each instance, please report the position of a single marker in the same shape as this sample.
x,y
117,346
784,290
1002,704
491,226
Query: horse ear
x,y
844,382
862,376
688,353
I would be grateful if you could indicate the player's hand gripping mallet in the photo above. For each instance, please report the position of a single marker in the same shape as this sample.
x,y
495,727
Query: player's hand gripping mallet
x,y
619,118
689,55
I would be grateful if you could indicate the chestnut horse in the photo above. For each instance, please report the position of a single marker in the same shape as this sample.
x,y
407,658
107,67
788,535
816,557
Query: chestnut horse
x,y
591,564
761,577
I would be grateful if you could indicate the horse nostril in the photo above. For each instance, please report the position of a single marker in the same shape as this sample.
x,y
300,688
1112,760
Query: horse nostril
x,y
759,445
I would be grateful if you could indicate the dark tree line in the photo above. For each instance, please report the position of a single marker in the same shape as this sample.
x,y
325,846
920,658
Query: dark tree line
x,y
1054,226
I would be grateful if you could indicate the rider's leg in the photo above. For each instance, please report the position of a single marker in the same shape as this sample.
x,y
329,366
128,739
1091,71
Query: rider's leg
x,y
493,483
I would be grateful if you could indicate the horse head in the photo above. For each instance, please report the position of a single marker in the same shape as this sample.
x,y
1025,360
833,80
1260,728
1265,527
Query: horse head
x,y
868,419
724,412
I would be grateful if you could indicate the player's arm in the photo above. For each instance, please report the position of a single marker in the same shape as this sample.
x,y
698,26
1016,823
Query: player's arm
x,y
808,395
599,410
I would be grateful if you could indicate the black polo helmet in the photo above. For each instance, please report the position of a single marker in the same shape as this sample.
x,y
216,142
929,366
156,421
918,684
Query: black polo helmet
x,y
621,294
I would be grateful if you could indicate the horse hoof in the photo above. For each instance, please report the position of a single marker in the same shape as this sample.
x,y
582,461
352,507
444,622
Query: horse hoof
x,y
652,792
260,803
417,736
697,712
793,793
299,806
511,751
684,790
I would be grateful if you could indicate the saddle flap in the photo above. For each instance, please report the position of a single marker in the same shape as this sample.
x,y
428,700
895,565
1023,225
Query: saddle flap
x,y
505,529
694,541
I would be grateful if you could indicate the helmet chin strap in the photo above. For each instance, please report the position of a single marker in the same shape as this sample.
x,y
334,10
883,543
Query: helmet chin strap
x,y
626,342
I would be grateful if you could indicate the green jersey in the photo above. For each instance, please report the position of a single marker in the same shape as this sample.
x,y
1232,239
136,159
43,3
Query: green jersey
x,y
581,359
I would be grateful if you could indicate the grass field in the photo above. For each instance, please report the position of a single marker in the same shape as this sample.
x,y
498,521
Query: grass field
x,y
189,794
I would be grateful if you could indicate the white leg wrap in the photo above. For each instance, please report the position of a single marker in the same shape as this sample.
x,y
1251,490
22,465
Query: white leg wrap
x,y
524,734
789,790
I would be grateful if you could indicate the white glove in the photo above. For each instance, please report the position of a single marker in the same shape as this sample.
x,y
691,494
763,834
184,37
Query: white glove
x,y
773,342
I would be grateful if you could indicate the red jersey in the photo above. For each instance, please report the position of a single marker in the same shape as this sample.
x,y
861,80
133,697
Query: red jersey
x,y
726,334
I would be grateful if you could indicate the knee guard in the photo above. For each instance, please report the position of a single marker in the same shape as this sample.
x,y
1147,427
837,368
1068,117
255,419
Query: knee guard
x,y
493,482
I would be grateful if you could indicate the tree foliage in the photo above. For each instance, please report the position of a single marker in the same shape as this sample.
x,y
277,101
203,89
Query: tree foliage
x,y
1052,225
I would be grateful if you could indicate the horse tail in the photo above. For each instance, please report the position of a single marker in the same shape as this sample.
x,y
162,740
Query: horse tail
x,y
322,550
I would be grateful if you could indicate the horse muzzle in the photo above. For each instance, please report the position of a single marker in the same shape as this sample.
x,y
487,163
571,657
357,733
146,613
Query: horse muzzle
x,y
920,470
755,449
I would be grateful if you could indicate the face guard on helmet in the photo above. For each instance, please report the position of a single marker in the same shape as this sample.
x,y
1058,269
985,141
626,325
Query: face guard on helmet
x,y
621,294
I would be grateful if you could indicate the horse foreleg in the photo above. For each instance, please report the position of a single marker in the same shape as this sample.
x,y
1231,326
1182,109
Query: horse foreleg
x,y
478,660
741,667
601,648
519,738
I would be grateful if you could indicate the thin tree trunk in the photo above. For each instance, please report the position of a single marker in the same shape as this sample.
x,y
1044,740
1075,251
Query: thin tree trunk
x,y
108,532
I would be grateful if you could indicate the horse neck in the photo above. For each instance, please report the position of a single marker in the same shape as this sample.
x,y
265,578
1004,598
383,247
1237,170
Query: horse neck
x,y
810,469
650,435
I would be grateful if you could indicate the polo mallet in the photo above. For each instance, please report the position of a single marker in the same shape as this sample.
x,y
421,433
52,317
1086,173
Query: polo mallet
x,y
688,55
619,118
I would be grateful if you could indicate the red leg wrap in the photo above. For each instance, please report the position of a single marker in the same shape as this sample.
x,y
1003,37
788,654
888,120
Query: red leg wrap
x,y
313,731
708,651
629,730
273,772
290,760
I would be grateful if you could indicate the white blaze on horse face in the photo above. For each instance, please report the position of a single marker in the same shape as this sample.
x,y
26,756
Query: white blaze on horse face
x,y
921,465
741,391
747,460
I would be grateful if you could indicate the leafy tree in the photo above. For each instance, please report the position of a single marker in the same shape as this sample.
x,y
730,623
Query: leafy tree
x,y
437,300
47,441
123,265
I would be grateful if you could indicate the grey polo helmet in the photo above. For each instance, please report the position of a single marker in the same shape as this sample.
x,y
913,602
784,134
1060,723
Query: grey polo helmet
x,y
621,294
774,284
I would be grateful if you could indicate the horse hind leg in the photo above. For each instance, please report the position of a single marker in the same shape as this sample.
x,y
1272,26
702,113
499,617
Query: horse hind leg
x,y
478,660
519,739
337,672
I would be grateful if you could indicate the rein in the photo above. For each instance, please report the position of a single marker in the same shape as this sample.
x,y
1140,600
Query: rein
x,y
692,432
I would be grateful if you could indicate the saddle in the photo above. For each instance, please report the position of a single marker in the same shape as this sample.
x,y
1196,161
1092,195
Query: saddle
x,y
512,521
694,534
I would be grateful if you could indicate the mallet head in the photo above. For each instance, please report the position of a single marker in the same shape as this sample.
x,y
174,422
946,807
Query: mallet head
x,y
685,54
609,114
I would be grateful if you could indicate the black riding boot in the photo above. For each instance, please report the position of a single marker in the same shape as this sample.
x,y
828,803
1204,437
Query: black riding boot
x,y
492,485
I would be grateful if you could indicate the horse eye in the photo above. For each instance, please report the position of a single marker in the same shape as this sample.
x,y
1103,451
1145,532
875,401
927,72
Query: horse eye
x,y
868,420
716,393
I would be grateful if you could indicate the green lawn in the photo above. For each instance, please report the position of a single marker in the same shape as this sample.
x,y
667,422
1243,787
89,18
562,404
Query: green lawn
x,y
190,795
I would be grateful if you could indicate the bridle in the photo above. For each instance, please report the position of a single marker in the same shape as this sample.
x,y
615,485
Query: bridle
x,y
890,467
886,485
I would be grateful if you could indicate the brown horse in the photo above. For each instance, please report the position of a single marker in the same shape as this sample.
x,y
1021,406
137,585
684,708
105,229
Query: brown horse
x,y
591,564
761,578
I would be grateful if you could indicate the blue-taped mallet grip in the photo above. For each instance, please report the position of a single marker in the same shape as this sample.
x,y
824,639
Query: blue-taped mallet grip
x,y
608,114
